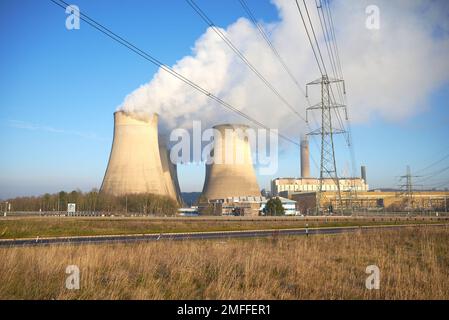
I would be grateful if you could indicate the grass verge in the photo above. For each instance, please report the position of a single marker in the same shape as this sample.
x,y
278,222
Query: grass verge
x,y
30,227
413,263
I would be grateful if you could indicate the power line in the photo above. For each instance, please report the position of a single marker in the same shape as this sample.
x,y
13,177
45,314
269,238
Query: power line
x,y
282,62
335,43
328,100
433,174
437,184
329,33
169,70
270,44
308,36
334,39
313,49
327,40
318,49
446,183
314,35
217,30
433,164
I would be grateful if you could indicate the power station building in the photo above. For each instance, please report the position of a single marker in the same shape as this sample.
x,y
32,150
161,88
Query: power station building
x,y
286,186
373,201
354,193
247,206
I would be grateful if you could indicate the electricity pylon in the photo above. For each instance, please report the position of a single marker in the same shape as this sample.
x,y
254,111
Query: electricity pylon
x,y
328,164
408,186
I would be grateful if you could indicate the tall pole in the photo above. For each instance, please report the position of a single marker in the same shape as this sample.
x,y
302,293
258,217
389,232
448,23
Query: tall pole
x,y
445,204
408,187
328,164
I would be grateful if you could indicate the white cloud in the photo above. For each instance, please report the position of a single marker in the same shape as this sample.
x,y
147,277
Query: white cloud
x,y
390,73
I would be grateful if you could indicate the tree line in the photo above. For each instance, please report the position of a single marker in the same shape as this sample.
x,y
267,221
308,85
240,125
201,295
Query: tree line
x,y
95,201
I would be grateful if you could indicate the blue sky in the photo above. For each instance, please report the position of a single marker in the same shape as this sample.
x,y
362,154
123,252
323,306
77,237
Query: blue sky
x,y
59,89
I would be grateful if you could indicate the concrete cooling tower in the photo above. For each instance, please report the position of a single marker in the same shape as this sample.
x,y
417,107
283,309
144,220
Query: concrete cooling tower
x,y
232,172
169,171
137,163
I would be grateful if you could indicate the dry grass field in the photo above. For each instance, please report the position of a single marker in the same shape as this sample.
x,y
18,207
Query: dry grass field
x,y
414,264
23,227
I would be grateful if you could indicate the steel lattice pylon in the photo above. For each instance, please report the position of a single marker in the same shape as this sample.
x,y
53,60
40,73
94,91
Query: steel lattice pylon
x,y
408,188
328,166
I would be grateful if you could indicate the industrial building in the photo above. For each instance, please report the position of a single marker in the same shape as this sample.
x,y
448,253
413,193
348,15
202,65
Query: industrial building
x,y
374,201
245,206
286,186
139,162
289,206
240,206
354,193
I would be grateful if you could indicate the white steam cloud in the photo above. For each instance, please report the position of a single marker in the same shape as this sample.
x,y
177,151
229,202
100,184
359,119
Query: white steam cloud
x,y
390,73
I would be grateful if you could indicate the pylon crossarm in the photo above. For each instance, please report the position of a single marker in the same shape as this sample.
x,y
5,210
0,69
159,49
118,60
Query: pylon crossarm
x,y
315,106
317,81
337,105
334,80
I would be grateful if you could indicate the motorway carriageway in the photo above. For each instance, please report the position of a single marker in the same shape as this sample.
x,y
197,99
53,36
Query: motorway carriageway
x,y
104,239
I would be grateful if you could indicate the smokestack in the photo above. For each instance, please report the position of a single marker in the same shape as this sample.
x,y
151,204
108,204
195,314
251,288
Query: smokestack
x,y
232,172
363,173
135,164
305,164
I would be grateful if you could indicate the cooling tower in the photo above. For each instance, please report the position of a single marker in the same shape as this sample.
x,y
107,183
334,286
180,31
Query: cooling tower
x,y
169,171
135,164
232,173
305,162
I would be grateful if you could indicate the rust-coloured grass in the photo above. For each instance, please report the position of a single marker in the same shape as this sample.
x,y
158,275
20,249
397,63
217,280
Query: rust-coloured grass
x,y
414,264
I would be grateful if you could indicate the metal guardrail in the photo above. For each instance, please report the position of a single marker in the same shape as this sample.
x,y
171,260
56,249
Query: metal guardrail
x,y
397,216
78,240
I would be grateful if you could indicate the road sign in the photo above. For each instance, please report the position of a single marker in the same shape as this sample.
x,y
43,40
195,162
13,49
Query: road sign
x,y
71,208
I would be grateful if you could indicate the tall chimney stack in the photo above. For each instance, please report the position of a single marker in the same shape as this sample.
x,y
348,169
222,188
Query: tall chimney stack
x,y
363,173
305,165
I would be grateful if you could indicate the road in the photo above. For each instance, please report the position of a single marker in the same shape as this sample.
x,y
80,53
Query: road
x,y
77,240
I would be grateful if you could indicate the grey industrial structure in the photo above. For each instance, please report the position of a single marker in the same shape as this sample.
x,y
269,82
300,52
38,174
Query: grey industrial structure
x,y
289,185
354,193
